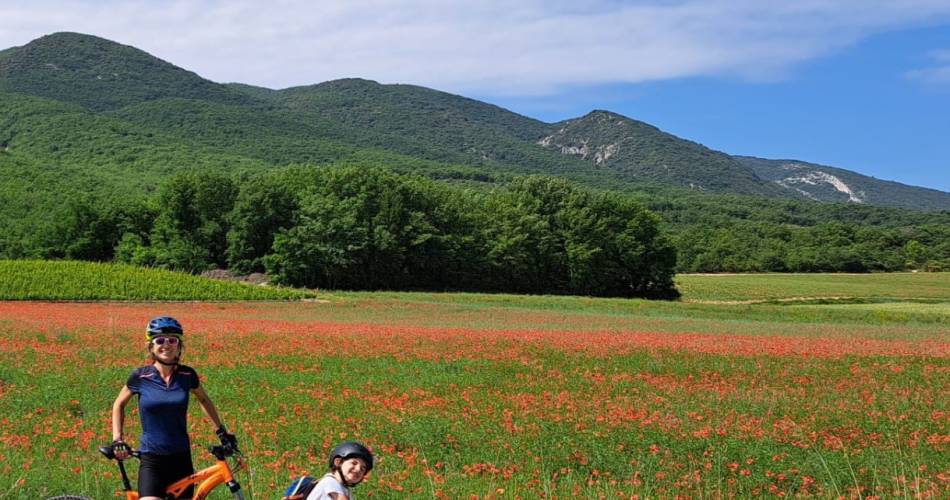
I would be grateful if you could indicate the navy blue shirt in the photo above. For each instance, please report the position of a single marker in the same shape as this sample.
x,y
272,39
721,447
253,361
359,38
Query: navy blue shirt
x,y
163,408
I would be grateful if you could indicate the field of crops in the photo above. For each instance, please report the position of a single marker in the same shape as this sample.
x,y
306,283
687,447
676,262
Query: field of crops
x,y
74,280
507,397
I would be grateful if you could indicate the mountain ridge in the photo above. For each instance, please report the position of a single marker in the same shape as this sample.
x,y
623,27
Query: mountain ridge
x,y
101,74
840,184
614,141
316,123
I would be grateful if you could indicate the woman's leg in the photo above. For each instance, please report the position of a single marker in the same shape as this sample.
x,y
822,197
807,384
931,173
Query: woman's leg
x,y
158,472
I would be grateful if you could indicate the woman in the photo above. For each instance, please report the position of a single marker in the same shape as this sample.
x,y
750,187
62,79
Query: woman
x,y
163,386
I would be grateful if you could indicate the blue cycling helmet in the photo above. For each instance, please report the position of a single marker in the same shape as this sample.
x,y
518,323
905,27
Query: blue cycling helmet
x,y
163,325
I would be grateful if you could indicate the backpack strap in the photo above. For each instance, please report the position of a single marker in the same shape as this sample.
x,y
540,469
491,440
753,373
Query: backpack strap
x,y
300,488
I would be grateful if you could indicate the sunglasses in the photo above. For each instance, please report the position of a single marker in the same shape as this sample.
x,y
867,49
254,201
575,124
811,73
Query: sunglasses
x,y
165,340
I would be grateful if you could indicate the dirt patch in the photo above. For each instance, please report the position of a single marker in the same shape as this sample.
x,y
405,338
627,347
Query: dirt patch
x,y
226,275
318,301
256,279
772,301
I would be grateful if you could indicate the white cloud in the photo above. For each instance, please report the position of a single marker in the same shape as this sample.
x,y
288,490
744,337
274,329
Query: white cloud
x,y
937,74
493,47
941,56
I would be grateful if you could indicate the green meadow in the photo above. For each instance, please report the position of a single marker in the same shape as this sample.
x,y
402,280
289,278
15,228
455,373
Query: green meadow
x,y
876,287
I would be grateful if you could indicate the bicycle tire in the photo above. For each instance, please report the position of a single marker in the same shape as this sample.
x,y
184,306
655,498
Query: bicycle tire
x,y
69,497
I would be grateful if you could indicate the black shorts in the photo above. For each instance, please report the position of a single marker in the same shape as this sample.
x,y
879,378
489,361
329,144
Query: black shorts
x,y
157,472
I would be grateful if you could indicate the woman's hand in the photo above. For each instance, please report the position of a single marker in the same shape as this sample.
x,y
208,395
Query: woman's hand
x,y
121,450
228,441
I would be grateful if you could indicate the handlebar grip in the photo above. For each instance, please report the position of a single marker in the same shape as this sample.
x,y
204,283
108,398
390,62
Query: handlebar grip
x,y
109,453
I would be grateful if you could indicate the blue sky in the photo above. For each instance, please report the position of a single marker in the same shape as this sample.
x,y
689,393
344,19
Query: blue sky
x,y
857,84
880,107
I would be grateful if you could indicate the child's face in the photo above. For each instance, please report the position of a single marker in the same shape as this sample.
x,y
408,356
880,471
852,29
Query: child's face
x,y
353,470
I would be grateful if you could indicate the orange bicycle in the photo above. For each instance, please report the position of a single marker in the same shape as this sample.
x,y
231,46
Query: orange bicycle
x,y
204,480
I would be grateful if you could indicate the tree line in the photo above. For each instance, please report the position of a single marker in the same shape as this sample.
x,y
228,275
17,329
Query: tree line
x,y
731,233
351,227
369,228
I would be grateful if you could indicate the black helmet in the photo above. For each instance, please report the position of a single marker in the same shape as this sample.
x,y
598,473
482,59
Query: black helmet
x,y
352,449
163,325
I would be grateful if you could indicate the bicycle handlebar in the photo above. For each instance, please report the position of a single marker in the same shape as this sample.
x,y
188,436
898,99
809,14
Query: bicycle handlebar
x,y
219,452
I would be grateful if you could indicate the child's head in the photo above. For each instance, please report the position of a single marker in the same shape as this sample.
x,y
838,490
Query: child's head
x,y
352,461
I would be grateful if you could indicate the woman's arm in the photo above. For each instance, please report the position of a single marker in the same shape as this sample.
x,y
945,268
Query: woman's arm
x,y
227,439
119,447
207,406
118,412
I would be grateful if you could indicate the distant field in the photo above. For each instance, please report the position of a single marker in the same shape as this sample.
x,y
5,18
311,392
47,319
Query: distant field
x,y
765,287
72,280
891,298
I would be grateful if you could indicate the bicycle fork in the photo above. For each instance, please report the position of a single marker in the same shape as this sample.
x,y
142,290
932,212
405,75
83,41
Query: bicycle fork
x,y
235,490
130,494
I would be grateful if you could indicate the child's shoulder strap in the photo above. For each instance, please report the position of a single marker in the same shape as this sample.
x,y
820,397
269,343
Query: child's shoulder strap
x,y
300,488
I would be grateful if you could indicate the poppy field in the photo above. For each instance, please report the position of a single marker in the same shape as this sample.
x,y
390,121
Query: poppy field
x,y
472,396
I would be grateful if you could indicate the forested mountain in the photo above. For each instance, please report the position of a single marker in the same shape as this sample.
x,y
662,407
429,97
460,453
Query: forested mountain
x,y
86,122
616,143
100,74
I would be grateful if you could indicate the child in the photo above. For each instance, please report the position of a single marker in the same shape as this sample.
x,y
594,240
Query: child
x,y
349,463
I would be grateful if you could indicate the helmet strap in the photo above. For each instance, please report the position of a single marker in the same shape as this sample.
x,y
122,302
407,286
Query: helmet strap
x,y
343,478
338,472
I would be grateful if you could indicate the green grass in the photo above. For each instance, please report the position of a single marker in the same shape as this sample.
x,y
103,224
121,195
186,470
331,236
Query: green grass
x,y
870,299
879,287
734,288
72,280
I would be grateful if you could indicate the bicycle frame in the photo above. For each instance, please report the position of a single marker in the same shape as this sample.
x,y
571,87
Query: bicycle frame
x,y
208,479
204,480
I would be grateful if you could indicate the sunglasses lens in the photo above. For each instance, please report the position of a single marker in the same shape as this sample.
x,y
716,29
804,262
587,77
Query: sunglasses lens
x,y
169,340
